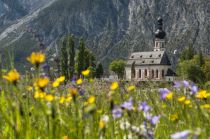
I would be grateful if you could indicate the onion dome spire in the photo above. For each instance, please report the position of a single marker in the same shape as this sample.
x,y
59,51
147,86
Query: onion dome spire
x,y
160,34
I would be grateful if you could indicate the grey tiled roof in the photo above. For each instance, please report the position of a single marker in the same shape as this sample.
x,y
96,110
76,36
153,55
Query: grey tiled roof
x,y
149,58
170,72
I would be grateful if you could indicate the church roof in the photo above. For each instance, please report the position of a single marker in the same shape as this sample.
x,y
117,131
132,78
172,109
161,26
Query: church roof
x,y
170,72
149,58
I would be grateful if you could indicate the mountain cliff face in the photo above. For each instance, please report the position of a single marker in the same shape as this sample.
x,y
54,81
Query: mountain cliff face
x,y
11,10
115,28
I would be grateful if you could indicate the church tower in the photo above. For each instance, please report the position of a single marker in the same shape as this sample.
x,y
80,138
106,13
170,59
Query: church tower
x,y
159,36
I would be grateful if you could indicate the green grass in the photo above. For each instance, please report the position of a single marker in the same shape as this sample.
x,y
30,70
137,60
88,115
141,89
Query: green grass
x,y
24,117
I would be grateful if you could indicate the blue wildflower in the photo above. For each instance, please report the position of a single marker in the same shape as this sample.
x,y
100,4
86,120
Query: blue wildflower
x,y
181,135
144,107
194,89
186,83
154,120
128,104
148,117
164,92
81,92
117,112
177,84
74,79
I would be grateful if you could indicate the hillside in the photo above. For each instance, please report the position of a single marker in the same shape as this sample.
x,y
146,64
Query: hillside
x,y
115,28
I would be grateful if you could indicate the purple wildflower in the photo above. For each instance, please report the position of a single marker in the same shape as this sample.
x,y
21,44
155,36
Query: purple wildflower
x,y
74,79
45,66
81,92
194,89
164,92
181,135
186,83
143,106
177,84
128,104
148,117
117,112
154,120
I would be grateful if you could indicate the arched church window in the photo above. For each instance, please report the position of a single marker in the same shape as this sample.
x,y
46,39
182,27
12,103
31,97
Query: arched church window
x,y
153,73
156,73
145,72
163,73
133,70
139,73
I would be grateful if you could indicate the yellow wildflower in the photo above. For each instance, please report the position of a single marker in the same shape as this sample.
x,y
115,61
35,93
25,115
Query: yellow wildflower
x,y
181,99
79,81
114,86
36,58
131,88
39,94
174,117
65,137
49,97
68,99
61,79
169,96
102,124
29,88
104,120
62,100
73,91
205,106
13,76
187,102
36,95
42,82
86,72
202,94
91,100
55,84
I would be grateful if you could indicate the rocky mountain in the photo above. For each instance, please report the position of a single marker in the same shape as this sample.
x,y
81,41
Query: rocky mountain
x,y
11,10
111,28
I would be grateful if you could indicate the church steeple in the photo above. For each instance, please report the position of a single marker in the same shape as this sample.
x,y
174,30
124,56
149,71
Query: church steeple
x,y
159,36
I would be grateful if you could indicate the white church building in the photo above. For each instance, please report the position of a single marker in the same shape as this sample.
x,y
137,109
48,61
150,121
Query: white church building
x,y
152,65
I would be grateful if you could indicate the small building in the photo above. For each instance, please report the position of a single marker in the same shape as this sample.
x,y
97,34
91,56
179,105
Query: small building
x,y
152,65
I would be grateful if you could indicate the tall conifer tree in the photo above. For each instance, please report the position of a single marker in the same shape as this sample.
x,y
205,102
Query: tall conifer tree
x,y
71,56
81,58
99,71
64,58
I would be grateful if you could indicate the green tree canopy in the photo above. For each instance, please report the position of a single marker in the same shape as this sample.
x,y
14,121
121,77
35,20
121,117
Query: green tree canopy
x,y
196,69
99,70
188,53
118,67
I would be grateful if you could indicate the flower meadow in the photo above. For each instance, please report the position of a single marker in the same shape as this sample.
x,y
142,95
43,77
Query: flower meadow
x,y
34,106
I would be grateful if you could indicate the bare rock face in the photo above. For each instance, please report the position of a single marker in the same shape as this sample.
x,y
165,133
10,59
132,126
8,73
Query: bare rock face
x,y
12,10
115,28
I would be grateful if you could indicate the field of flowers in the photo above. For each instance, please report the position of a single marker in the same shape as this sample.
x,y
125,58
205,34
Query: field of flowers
x,y
32,106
